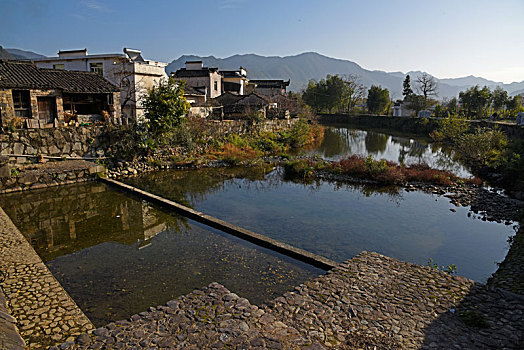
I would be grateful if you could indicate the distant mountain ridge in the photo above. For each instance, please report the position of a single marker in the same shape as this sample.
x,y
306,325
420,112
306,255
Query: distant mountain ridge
x,y
24,55
311,65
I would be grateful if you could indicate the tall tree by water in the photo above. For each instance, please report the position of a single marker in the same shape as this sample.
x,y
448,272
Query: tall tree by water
x,y
378,99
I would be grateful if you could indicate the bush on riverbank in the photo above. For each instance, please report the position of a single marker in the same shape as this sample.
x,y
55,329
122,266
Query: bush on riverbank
x,y
381,171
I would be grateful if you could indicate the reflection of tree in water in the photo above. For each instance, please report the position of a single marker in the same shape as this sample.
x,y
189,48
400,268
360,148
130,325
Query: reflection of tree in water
x,y
376,142
336,142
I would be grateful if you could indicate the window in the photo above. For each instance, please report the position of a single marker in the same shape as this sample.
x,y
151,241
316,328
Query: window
x,y
22,103
59,66
216,85
97,68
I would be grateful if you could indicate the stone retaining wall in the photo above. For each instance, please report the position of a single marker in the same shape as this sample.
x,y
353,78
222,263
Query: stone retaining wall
x,y
412,125
36,176
45,313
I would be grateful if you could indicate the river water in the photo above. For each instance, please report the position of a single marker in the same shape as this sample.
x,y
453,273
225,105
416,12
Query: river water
x,y
117,255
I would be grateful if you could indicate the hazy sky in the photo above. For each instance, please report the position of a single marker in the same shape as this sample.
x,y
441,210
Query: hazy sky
x,y
447,38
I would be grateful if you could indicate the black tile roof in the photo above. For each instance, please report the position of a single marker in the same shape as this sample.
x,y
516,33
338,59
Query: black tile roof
x,y
184,73
231,74
270,83
25,75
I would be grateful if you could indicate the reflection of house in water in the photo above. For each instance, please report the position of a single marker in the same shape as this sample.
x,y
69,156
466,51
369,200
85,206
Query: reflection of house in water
x,y
77,217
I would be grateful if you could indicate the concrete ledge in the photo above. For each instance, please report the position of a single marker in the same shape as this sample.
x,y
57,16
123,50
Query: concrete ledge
x,y
261,240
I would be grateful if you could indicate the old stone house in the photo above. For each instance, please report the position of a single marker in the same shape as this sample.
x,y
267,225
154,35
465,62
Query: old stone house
x,y
36,98
234,81
269,87
233,106
129,71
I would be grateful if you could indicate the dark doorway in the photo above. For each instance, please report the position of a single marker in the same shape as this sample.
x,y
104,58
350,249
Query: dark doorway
x,y
46,109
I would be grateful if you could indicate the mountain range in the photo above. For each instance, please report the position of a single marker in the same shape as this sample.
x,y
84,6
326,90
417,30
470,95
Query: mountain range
x,y
311,65
299,69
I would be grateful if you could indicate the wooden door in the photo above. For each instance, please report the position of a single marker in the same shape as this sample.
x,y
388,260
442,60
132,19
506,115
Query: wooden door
x,y
46,109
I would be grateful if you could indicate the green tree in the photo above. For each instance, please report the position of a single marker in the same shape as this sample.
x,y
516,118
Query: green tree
x,y
378,99
416,103
333,94
499,98
514,105
164,106
475,101
407,91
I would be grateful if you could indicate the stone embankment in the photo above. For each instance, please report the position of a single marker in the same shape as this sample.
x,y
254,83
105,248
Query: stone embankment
x,y
370,301
510,274
34,176
45,313
9,336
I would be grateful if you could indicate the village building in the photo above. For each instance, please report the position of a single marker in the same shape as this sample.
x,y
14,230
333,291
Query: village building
x,y
269,87
234,81
234,106
400,109
33,97
199,77
129,71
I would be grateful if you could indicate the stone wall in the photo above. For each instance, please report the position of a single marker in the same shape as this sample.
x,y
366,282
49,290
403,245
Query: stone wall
x,y
73,142
36,176
98,141
413,125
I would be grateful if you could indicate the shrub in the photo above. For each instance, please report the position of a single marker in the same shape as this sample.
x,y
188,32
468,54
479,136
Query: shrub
x,y
484,148
449,129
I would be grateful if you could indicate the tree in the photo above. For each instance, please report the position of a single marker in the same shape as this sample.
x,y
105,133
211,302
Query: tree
x,y
416,103
427,85
165,106
499,98
378,99
354,90
407,91
475,101
334,93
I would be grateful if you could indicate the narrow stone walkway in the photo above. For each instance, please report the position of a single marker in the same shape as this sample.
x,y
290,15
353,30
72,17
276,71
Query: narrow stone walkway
x,y
45,313
369,302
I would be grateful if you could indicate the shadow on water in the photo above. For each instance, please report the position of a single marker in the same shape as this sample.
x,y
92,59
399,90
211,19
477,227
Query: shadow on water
x,y
116,255
488,317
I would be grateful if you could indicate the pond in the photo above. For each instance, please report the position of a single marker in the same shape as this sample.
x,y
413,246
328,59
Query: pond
x,y
337,221
116,255
342,141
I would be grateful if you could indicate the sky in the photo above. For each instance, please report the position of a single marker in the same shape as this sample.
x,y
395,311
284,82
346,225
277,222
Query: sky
x,y
446,38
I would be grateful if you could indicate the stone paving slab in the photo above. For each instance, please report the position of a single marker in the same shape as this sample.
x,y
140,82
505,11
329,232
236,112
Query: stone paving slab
x,y
368,302
416,306
209,318
45,313
9,337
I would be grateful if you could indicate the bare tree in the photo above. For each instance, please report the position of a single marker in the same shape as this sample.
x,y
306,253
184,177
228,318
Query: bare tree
x,y
355,91
427,85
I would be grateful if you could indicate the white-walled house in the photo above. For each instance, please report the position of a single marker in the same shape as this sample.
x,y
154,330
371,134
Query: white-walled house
x,y
199,77
129,71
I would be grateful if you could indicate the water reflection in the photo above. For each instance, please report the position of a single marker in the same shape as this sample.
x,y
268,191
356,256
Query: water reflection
x,y
116,255
340,142
340,220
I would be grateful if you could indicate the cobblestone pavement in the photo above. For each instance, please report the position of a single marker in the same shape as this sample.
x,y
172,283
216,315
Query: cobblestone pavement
x,y
45,313
371,301
510,274
9,337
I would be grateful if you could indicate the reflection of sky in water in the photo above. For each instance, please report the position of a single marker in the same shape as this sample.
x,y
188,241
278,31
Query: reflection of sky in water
x,y
340,222
340,142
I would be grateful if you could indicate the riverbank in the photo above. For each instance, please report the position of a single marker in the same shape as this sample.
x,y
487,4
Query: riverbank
x,y
410,307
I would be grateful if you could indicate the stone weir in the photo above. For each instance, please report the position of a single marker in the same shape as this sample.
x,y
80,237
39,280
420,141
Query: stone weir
x,y
368,302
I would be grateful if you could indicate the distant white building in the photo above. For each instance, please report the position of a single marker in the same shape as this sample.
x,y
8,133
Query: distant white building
x,y
400,110
129,71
